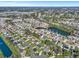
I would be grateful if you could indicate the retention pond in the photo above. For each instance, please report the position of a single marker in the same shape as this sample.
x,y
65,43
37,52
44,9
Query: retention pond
x,y
4,48
59,31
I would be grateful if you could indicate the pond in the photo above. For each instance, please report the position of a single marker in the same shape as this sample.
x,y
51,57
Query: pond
x,y
59,31
4,48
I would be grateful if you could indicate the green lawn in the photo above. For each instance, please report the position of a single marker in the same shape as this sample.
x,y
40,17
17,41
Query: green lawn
x,y
1,54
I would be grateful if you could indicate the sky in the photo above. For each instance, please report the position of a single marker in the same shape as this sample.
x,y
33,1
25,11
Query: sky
x,y
40,3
